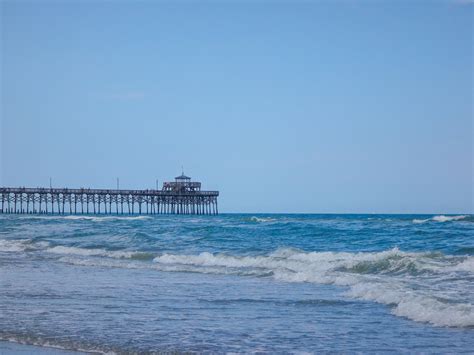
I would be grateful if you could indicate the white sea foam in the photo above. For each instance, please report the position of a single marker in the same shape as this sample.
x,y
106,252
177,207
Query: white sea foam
x,y
466,265
440,218
448,218
25,245
36,341
416,305
390,277
12,245
418,286
20,245
118,254
384,277
262,219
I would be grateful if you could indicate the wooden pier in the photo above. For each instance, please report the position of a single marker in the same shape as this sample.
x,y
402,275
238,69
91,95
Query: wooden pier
x,y
182,196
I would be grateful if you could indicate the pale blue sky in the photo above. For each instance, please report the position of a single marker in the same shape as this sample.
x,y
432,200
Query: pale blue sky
x,y
346,106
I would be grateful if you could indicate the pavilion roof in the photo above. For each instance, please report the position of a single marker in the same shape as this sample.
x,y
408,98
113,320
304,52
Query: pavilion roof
x,y
182,177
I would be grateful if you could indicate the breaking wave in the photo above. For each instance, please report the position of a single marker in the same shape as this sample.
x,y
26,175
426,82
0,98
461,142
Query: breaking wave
x,y
26,245
441,218
390,277
20,245
418,286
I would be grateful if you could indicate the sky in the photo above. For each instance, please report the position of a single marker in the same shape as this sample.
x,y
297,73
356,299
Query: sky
x,y
298,107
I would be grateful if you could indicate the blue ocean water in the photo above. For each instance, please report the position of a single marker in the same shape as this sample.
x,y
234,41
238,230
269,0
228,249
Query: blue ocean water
x,y
238,283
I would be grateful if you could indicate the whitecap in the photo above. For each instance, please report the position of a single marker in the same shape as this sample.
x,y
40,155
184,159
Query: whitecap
x,y
447,218
440,218
262,219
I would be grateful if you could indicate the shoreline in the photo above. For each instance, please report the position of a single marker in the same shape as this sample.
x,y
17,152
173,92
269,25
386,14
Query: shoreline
x,y
8,347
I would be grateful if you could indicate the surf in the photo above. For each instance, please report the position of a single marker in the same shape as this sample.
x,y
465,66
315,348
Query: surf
x,y
401,280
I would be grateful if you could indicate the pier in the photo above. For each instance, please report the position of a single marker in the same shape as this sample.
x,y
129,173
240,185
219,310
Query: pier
x,y
181,196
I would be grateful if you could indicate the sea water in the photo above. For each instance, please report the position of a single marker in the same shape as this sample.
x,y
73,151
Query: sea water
x,y
238,283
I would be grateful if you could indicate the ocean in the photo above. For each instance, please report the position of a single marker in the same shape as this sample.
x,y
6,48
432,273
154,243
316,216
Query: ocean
x,y
238,283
